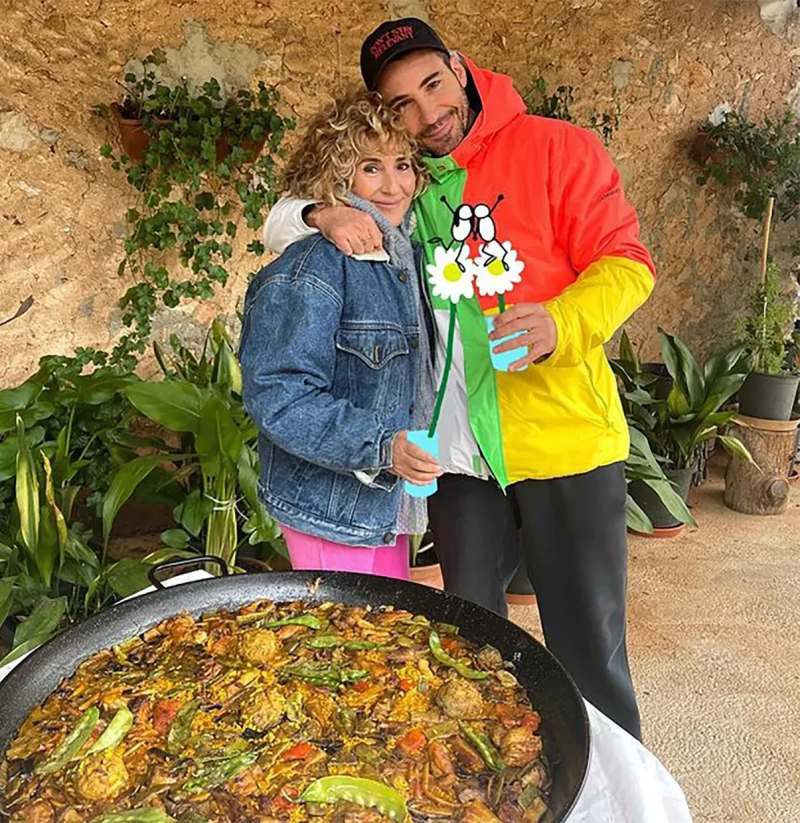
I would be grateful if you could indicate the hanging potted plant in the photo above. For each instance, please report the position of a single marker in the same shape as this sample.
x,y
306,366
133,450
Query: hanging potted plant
x,y
193,183
678,427
152,112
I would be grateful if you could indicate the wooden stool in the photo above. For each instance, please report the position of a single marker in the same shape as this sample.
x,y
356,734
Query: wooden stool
x,y
772,444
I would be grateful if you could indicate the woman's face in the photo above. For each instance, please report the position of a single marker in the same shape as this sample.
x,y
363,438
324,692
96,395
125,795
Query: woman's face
x,y
387,179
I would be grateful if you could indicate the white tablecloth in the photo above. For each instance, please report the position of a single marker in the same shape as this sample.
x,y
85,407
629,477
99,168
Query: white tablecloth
x,y
625,784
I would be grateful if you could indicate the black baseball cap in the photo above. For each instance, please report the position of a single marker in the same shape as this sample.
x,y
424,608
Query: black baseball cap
x,y
390,40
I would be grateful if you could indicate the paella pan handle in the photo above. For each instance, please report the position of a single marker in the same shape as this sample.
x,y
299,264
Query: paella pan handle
x,y
152,574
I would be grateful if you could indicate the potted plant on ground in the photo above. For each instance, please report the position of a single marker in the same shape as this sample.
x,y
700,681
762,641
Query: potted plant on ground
x,y
770,391
200,398
50,573
680,425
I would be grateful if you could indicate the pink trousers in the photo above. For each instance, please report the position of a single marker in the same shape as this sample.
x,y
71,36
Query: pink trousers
x,y
309,553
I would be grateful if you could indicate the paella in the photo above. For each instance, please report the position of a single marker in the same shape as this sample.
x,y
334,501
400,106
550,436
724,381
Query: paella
x,y
283,713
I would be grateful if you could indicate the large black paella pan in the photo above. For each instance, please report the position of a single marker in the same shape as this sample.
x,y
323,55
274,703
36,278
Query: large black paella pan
x,y
564,729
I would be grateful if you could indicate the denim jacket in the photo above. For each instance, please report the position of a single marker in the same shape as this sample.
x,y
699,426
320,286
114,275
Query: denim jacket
x,y
329,352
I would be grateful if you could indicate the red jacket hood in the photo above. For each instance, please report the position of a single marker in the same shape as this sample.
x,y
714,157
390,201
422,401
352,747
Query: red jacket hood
x,y
500,104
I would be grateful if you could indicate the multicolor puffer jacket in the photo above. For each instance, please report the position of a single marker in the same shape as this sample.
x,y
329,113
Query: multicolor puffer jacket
x,y
564,226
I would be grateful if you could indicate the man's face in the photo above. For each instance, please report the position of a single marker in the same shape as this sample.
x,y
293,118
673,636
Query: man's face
x,y
428,88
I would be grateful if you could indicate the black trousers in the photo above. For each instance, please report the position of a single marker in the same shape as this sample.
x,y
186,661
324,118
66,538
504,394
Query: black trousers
x,y
575,547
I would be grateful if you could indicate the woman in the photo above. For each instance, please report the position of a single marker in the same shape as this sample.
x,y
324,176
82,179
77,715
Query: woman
x,y
336,355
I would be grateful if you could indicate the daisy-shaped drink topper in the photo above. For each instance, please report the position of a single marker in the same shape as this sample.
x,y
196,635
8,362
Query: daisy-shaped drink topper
x,y
498,269
452,273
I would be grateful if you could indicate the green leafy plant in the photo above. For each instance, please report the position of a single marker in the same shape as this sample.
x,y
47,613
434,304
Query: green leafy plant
x,y
764,329
759,161
72,407
557,105
692,414
420,546
50,575
200,399
643,466
197,174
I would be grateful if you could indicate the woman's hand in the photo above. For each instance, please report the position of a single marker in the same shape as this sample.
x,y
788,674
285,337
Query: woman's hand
x,y
412,463
350,230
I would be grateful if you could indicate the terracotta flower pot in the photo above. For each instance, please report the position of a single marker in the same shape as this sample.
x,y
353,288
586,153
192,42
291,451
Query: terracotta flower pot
x,y
135,139
428,576
662,533
132,134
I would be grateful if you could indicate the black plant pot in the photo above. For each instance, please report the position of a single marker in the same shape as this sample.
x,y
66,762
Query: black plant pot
x,y
650,503
663,385
768,396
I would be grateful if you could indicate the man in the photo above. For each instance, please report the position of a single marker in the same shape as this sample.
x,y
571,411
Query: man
x,y
542,445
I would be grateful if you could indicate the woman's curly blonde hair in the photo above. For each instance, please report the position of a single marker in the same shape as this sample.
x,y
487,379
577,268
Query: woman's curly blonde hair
x,y
324,164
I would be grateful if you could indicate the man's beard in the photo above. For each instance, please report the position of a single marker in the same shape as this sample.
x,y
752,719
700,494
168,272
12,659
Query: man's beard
x,y
449,142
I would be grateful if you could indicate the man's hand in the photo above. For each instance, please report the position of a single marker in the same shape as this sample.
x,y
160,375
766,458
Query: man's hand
x,y
412,463
350,230
539,332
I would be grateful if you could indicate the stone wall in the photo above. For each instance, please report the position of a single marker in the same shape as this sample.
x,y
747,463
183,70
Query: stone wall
x,y
666,63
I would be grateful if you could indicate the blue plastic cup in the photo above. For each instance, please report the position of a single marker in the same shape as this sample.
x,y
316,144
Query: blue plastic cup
x,y
431,445
503,360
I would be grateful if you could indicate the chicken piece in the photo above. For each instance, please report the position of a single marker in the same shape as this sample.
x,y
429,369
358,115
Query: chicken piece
x,y
264,710
40,811
164,713
520,746
441,764
102,776
179,627
258,646
70,815
322,708
245,783
142,709
460,699
477,812
468,759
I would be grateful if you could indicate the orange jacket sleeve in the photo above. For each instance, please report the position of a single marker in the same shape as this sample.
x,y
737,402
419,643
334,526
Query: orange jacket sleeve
x,y
599,230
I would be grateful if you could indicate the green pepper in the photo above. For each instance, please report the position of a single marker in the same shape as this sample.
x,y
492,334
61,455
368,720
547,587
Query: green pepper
x,y
358,790
323,641
221,772
486,750
329,676
360,645
446,628
252,617
331,641
307,620
443,657
181,725
114,733
71,744
147,814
